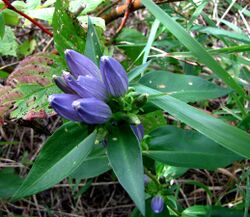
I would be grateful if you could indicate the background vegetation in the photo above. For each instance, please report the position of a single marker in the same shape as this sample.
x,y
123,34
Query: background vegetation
x,y
192,57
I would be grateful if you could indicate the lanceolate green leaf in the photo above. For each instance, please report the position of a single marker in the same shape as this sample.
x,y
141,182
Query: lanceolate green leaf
x,y
187,88
9,183
93,47
196,13
67,31
150,41
214,52
125,158
226,135
2,25
221,32
187,148
211,211
94,165
134,73
191,44
63,152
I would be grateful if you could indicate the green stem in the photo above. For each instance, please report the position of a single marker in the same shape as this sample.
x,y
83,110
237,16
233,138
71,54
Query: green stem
x,y
173,208
150,175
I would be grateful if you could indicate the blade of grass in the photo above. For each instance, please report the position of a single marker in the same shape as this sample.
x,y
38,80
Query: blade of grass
x,y
196,13
150,40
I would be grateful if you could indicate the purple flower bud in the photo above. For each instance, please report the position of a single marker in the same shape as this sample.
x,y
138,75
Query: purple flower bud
x,y
146,180
157,204
81,65
86,86
59,81
114,76
92,111
94,87
138,131
62,104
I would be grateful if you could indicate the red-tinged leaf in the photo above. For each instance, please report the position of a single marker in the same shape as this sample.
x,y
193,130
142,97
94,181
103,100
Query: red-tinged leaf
x,y
7,98
28,87
34,69
33,115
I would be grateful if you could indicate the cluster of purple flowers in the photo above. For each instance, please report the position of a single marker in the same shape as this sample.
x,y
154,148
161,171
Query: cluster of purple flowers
x,y
87,89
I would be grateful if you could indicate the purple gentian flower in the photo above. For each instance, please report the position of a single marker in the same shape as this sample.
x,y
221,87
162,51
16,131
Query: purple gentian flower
x,y
86,86
138,131
114,76
157,204
60,82
62,104
92,111
81,65
87,89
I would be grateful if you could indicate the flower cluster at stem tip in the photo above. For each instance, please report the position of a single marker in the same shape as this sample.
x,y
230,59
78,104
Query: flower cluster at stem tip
x,y
87,89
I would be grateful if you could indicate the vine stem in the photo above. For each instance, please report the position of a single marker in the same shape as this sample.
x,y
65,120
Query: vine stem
x,y
11,7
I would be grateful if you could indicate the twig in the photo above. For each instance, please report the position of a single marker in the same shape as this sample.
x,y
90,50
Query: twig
x,y
136,5
103,10
79,10
126,15
11,7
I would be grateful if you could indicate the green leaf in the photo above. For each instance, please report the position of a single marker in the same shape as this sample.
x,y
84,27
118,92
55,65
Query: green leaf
x,y
10,17
97,21
187,88
222,133
134,73
190,43
27,47
124,154
8,44
94,165
34,98
151,39
68,34
90,5
34,81
41,13
2,25
197,12
3,74
222,33
32,4
152,120
211,211
132,42
187,148
63,152
93,47
9,183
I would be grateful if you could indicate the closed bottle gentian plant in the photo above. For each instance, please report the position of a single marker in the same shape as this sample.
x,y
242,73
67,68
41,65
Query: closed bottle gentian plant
x,y
146,126
88,89
102,98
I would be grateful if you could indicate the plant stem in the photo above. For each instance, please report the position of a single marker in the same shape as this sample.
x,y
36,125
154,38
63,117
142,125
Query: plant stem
x,y
150,175
11,7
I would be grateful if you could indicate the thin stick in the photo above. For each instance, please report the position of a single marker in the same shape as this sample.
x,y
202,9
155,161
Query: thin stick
x,y
11,7
136,5
125,17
